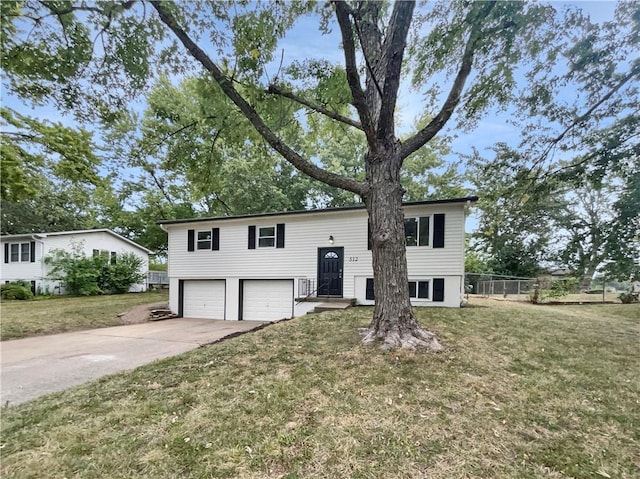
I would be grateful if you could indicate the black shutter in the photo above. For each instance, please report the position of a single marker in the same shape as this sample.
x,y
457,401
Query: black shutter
x,y
369,293
252,237
6,252
191,240
280,235
369,240
438,231
412,289
215,239
33,251
438,289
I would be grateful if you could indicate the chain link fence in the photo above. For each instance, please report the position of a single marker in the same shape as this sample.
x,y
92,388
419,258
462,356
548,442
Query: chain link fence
x,y
496,285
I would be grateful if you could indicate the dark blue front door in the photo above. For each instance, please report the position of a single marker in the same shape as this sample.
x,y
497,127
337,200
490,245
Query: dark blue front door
x,y
330,264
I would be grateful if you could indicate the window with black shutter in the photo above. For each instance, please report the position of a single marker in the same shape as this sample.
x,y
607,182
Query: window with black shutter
x,y
369,294
280,235
438,231
191,234
252,237
438,289
215,239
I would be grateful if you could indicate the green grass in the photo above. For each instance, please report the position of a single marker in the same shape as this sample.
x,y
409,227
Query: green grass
x,y
19,319
524,392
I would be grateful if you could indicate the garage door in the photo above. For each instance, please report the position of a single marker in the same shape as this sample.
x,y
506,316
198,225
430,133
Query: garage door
x,y
267,299
203,299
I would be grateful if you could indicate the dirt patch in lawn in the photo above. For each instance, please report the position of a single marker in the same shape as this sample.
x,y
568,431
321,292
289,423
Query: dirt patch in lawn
x,y
21,319
141,313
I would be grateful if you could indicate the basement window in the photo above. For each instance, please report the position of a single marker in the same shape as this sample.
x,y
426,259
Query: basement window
x,y
419,289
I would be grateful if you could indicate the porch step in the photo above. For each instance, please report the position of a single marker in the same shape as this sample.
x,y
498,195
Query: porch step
x,y
349,301
332,306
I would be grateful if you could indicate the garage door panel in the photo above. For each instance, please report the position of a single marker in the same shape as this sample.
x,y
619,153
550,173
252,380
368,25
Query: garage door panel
x,y
267,300
203,299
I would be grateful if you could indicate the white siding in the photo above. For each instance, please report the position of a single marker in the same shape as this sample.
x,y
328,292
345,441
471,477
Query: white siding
x,y
304,234
452,291
22,270
88,241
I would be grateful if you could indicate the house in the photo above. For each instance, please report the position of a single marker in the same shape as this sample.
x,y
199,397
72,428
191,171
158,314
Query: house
x,y
267,266
24,254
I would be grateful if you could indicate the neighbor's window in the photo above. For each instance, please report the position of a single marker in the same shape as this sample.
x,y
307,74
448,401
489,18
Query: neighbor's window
x,y
20,252
267,237
96,253
416,231
25,252
419,289
204,239
114,257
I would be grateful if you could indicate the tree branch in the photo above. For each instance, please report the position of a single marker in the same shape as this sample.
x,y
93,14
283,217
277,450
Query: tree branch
x,y
275,90
634,71
393,49
438,122
249,112
365,55
342,14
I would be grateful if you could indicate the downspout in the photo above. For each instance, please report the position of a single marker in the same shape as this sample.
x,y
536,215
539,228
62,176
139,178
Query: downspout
x,y
37,239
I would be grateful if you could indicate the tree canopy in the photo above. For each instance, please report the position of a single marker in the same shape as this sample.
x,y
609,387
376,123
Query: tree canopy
x,y
570,85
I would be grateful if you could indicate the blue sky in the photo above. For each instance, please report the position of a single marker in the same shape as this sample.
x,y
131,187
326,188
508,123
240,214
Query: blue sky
x,y
304,41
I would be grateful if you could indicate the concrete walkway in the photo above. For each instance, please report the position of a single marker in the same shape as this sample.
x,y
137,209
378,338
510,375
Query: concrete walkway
x,y
35,366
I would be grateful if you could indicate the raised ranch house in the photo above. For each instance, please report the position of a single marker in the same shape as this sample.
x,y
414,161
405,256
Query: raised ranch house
x,y
24,255
268,266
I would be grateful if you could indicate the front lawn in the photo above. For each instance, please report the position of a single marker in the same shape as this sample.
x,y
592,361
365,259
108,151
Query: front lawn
x,y
19,319
524,392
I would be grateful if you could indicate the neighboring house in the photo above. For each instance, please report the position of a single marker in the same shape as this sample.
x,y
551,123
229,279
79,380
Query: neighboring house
x,y
260,267
24,254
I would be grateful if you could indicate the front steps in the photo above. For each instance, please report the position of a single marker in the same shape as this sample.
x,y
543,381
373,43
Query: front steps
x,y
331,304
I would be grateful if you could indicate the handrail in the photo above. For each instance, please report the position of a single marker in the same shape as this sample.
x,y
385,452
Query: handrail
x,y
326,282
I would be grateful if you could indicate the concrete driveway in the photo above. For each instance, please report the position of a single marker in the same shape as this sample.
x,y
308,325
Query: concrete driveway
x,y
32,367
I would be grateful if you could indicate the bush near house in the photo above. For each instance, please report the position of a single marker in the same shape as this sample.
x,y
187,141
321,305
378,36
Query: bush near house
x,y
87,276
16,290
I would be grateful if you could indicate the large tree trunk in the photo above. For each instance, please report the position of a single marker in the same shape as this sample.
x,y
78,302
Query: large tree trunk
x,y
393,321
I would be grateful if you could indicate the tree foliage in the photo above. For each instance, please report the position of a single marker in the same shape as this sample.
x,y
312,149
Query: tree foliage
x,y
82,275
463,57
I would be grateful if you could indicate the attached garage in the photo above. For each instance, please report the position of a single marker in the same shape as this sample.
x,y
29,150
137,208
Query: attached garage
x,y
266,299
202,299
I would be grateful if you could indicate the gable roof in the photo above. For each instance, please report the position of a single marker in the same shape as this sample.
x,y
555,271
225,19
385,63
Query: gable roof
x,y
76,232
471,199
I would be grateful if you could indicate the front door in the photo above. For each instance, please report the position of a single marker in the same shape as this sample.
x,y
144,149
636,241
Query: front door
x,y
330,271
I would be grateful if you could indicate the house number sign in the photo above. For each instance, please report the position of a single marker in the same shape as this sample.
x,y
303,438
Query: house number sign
x,y
353,259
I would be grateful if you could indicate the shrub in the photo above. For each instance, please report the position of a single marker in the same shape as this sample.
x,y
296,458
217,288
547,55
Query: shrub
x,y
84,276
16,291
118,277
628,298
555,289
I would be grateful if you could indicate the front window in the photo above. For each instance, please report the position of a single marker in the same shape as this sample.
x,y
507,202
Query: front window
x,y
204,239
267,237
15,253
20,252
416,231
25,252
